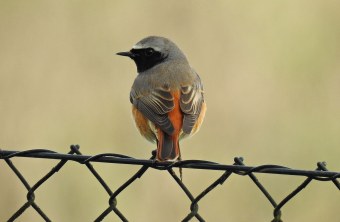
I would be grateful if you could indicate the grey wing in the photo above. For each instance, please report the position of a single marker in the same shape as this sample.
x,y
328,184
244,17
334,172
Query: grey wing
x,y
155,106
191,104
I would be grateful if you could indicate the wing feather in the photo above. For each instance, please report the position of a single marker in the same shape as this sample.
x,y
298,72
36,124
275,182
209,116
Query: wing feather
x,y
191,104
155,106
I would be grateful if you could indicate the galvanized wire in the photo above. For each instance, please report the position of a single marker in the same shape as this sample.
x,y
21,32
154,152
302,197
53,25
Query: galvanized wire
x,y
238,168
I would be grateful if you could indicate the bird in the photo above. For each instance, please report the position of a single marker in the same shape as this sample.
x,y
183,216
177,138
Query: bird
x,y
167,95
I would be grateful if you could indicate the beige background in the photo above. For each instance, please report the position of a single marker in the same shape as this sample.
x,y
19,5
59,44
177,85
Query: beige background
x,y
271,73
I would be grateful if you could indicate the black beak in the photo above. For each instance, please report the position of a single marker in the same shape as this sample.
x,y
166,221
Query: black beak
x,y
128,54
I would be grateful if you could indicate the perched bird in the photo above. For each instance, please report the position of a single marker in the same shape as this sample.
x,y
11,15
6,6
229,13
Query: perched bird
x,y
167,95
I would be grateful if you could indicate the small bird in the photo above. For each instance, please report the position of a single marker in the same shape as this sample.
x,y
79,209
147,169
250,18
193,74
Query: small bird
x,y
167,95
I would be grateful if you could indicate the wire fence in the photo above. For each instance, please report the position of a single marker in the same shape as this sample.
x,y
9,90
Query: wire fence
x,y
238,168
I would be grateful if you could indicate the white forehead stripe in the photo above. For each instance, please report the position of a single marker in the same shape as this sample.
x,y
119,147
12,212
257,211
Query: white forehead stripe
x,y
138,46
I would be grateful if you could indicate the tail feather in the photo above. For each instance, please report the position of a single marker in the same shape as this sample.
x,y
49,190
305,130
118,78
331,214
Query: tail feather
x,y
167,147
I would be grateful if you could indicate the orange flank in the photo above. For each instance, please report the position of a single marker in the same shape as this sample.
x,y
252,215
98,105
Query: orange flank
x,y
143,125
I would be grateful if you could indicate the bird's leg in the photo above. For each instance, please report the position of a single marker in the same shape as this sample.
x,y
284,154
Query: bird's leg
x,y
180,168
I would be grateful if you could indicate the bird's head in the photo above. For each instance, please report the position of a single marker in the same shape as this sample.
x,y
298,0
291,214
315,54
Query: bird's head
x,y
151,51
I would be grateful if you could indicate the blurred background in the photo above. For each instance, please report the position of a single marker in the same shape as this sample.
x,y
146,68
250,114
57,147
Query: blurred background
x,y
271,74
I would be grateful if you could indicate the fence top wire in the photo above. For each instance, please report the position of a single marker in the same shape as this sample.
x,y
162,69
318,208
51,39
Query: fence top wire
x,y
321,173
192,164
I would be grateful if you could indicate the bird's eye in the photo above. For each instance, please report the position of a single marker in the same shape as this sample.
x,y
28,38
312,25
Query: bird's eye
x,y
149,51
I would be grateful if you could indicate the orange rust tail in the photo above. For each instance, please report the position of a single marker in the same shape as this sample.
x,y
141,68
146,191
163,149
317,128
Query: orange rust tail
x,y
167,147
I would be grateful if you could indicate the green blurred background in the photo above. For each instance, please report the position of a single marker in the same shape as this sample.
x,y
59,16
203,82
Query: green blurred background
x,y
271,73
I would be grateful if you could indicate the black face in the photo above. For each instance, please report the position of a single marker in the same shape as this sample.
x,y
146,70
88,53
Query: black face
x,y
144,58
